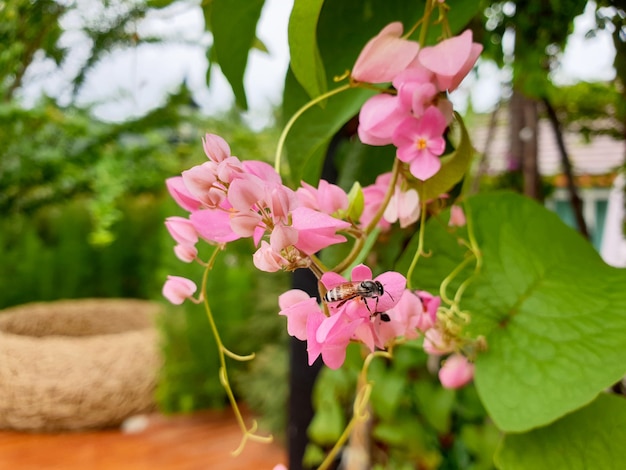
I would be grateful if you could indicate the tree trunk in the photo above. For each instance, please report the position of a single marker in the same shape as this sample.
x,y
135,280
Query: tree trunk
x,y
575,201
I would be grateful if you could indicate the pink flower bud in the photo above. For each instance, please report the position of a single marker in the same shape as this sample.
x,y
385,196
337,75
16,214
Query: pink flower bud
x,y
186,253
181,230
456,371
457,216
176,289
385,55
215,148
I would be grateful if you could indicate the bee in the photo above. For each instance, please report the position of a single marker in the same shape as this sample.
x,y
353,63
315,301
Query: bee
x,y
363,289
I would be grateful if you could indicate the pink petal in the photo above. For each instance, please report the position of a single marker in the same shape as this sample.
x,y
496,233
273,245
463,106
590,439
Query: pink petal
x,y
263,170
181,194
186,253
425,167
268,260
451,59
297,306
378,118
176,289
246,192
181,230
361,273
213,225
215,147
316,230
456,371
384,56
393,285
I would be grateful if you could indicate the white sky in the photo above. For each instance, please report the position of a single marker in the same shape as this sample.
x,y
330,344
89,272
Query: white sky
x,y
130,82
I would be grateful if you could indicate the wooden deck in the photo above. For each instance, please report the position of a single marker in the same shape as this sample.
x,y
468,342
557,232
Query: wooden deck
x,y
199,442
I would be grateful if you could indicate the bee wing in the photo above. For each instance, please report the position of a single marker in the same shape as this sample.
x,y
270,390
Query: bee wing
x,y
331,279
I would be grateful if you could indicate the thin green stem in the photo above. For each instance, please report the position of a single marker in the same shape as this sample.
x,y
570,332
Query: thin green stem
x,y
294,118
455,272
428,10
223,352
354,252
395,171
420,247
359,412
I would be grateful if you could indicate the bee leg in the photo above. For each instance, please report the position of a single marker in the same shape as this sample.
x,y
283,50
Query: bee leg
x,y
384,317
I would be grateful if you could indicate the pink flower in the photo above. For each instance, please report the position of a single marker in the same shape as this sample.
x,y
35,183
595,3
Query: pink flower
x,y
431,305
186,253
451,60
327,198
316,230
263,170
297,306
176,289
181,230
215,148
404,319
378,119
403,206
328,336
181,194
415,90
393,284
267,259
456,371
199,180
385,55
420,142
457,216
435,343
270,257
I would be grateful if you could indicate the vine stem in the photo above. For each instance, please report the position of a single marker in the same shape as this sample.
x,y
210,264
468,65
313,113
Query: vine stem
x,y
248,433
359,408
420,247
296,116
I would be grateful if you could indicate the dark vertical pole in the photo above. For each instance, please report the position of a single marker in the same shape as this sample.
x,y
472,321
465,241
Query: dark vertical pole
x,y
302,376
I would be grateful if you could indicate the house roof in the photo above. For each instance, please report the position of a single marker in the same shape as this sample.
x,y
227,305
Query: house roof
x,y
600,156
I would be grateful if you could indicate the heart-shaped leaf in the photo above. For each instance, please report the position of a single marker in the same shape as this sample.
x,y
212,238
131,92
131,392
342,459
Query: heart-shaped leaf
x,y
552,312
592,437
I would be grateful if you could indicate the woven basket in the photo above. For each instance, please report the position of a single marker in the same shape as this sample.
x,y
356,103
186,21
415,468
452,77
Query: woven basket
x,y
77,364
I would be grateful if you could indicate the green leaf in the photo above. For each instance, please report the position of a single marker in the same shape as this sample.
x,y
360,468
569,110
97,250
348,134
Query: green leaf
x,y
309,137
328,423
356,201
436,404
306,62
592,437
233,23
552,312
453,167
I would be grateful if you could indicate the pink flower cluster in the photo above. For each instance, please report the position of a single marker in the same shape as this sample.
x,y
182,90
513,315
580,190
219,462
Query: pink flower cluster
x,y
415,117
229,199
356,319
375,322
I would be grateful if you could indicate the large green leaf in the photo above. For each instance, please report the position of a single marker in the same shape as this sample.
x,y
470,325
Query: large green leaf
x,y
306,62
233,23
592,437
552,312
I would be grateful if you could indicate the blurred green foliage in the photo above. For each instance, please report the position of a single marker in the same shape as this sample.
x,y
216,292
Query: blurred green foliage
x,y
83,204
